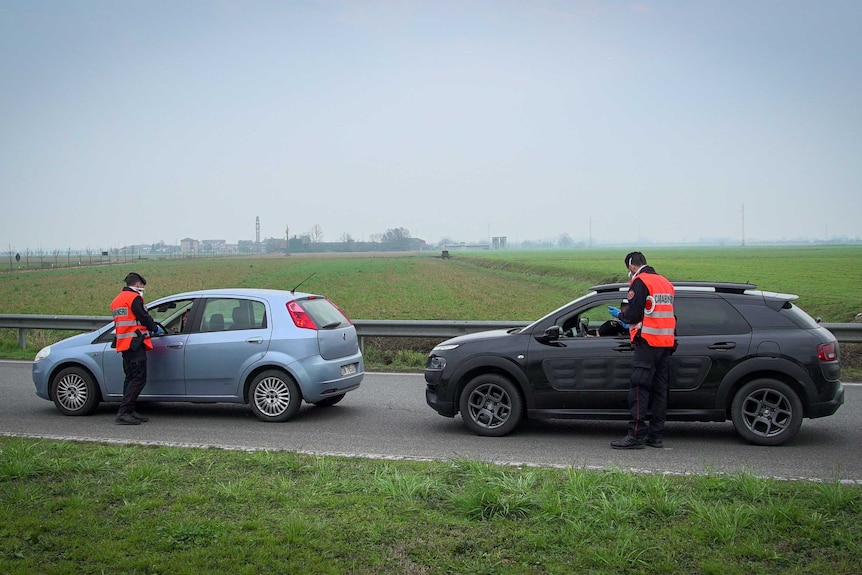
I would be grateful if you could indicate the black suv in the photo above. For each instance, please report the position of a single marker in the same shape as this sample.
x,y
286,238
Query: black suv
x,y
743,354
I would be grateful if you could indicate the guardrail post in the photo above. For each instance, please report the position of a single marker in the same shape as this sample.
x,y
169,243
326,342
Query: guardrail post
x,y
22,338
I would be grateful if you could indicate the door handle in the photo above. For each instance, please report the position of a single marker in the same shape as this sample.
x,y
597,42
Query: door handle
x,y
723,345
254,340
178,345
624,347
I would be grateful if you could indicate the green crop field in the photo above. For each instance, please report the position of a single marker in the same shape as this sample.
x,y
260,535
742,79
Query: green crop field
x,y
484,285
488,285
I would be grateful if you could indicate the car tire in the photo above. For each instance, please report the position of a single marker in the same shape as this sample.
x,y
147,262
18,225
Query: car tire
x,y
274,396
330,401
491,405
766,412
75,392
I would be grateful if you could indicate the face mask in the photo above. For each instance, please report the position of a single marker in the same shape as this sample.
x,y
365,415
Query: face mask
x,y
631,274
140,290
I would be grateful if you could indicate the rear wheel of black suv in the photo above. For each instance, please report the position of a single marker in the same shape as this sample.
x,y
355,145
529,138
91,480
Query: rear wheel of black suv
x,y
491,405
766,412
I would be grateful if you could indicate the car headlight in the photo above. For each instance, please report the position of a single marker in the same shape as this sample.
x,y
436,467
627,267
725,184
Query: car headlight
x,y
436,362
43,353
445,347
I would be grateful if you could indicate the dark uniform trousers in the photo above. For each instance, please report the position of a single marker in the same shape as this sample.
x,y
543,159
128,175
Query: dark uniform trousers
x,y
648,391
135,368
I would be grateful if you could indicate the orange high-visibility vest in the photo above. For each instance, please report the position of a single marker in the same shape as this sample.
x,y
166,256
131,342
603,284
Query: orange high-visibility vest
x,y
126,323
658,324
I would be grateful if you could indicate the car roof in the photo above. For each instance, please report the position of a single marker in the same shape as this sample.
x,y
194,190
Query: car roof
x,y
247,292
708,286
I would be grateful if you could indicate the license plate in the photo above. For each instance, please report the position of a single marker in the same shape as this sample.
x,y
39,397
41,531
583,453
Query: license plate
x,y
348,369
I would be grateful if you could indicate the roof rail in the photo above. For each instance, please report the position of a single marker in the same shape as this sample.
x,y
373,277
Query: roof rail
x,y
722,287
610,287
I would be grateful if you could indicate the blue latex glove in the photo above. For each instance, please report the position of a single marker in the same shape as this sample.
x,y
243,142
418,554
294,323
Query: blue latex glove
x,y
614,311
159,330
624,324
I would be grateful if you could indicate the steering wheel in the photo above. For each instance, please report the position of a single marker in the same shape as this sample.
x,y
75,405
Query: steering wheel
x,y
583,326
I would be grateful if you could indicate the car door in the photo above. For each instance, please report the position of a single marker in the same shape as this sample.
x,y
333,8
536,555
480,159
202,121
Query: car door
x,y
165,362
224,345
711,338
579,371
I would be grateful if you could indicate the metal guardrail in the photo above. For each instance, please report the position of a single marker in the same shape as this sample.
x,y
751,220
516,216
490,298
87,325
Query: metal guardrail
x,y
844,332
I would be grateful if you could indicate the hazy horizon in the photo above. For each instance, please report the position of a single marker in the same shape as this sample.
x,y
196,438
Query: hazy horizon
x,y
645,122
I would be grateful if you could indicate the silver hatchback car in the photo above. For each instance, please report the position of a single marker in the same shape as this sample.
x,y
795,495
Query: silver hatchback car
x,y
271,349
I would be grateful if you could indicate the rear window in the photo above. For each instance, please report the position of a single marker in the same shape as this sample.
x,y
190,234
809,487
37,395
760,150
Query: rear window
x,y
707,316
789,316
325,314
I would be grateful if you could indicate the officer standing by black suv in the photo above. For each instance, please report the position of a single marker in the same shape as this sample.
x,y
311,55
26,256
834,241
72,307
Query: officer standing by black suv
x,y
651,327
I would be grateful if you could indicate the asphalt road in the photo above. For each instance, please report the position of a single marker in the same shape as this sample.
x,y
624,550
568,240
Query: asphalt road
x,y
388,418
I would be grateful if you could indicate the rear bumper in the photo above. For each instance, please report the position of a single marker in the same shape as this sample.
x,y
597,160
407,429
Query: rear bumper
x,y
826,408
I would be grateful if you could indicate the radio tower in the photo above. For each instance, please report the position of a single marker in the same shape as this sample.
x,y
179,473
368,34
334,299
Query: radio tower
x,y
257,229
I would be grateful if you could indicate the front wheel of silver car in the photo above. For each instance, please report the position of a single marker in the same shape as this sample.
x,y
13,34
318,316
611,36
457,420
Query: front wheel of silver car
x,y
766,412
491,405
274,396
74,391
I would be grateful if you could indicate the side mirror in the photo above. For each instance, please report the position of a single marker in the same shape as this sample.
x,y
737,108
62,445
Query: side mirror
x,y
551,334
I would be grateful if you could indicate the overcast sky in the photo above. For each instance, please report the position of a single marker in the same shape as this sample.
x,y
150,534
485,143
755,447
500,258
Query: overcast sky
x,y
126,122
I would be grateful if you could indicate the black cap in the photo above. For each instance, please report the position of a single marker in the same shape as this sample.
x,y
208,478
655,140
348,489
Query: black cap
x,y
134,277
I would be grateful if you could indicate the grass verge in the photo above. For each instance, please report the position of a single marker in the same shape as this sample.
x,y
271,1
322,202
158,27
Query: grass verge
x,y
68,507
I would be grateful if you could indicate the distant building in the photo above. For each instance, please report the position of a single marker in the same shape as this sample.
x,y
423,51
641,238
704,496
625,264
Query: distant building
x,y
188,246
213,247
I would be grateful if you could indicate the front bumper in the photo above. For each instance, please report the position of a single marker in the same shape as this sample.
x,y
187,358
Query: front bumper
x,y
444,408
433,377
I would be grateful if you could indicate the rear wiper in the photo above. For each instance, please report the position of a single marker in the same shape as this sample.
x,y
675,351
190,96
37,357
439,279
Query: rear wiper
x,y
331,325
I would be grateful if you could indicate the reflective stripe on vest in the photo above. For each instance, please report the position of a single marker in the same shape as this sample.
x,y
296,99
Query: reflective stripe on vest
x,y
127,327
658,324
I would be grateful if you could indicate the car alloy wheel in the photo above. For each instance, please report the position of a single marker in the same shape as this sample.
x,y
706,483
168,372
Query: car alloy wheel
x,y
274,396
491,405
75,392
766,412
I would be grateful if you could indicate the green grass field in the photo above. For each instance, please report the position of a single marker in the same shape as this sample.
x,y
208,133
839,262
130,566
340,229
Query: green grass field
x,y
70,508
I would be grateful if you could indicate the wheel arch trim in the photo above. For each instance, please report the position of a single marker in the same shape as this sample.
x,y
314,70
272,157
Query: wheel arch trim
x,y
766,368
491,364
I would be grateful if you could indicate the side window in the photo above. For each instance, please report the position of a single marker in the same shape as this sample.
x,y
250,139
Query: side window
x,y
173,315
762,316
596,319
225,314
707,316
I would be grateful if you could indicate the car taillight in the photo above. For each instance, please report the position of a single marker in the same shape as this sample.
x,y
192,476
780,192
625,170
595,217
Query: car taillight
x,y
826,352
299,316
